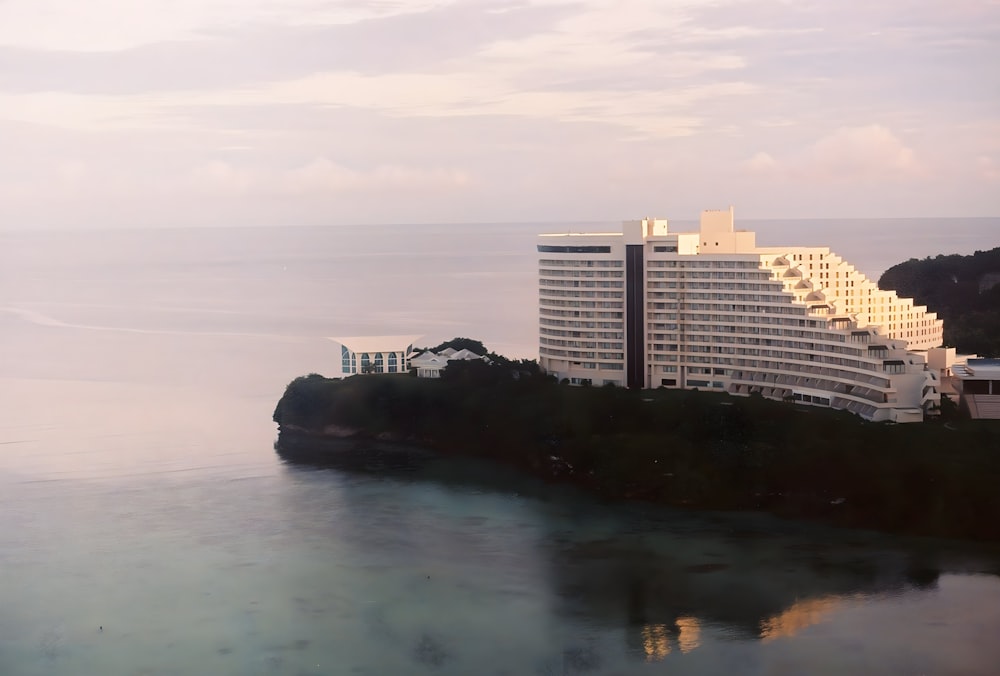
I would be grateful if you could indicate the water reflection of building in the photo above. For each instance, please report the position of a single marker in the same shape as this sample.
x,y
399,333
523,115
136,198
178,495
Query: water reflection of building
x,y
670,591
798,616
656,638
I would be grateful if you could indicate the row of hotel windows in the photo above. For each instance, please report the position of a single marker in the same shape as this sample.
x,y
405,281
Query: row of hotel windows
x,y
653,317
715,337
595,365
759,275
545,248
581,303
585,345
716,329
730,307
787,366
570,293
561,262
801,257
589,274
691,328
576,324
594,335
618,365
787,372
575,283
694,263
774,287
698,333
699,295
586,314
717,358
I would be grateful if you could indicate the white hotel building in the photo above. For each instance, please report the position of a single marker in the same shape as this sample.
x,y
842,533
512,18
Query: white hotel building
x,y
711,310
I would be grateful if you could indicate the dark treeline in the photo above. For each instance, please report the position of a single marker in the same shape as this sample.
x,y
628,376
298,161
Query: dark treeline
x,y
679,448
958,289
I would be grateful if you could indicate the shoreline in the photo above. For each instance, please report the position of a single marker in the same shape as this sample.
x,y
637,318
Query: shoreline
x,y
680,449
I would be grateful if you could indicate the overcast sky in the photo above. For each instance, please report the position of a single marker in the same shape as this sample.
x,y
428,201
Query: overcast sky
x,y
221,112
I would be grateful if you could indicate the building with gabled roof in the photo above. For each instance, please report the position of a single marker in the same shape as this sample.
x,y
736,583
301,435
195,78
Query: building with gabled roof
x,y
430,364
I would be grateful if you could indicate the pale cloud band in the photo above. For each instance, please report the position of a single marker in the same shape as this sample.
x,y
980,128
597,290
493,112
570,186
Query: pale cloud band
x,y
368,111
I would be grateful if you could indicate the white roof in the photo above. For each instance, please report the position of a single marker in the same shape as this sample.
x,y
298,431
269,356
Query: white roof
x,y
428,358
980,369
466,354
359,344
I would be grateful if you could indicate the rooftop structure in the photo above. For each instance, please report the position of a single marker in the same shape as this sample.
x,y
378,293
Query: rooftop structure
x,y
649,307
979,385
430,364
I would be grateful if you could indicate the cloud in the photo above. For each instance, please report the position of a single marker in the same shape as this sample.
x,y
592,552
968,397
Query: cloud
x,y
111,25
989,169
322,177
497,109
847,154
223,177
761,163
861,152
251,55
574,62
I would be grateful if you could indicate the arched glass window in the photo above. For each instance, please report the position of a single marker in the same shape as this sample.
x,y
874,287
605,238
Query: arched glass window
x,y
392,362
379,363
345,359
354,363
366,363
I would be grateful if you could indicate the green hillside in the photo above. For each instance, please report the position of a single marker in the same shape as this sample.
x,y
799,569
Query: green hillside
x,y
963,290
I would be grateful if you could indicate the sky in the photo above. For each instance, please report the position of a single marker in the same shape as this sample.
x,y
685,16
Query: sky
x,y
311,112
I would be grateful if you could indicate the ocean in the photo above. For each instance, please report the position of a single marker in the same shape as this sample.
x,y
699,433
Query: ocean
x,y
149,527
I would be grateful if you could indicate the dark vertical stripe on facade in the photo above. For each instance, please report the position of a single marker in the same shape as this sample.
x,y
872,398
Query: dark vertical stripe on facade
x,y
635,355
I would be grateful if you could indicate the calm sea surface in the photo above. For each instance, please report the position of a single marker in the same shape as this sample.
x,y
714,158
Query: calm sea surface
x,y
148,527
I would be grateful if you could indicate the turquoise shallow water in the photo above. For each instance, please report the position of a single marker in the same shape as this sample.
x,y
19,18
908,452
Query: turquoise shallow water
x,y
149,527
305,570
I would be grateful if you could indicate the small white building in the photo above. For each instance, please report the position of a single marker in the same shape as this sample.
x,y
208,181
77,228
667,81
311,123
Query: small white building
x,y
375,354
431,364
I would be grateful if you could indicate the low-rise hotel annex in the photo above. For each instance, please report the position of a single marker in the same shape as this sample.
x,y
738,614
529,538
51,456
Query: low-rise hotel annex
x,y
711,310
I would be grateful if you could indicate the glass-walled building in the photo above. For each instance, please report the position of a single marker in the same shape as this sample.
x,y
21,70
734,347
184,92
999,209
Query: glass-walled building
x,y
375,354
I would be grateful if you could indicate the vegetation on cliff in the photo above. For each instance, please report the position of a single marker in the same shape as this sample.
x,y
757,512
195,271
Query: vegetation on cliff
x,y
964,291
677,447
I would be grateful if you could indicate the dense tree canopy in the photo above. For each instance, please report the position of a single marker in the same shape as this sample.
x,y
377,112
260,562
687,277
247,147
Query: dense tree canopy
x,y
470,344
689,448
962,290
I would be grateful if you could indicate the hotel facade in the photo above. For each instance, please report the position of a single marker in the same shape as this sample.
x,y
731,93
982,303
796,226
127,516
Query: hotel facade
x,y
710,310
